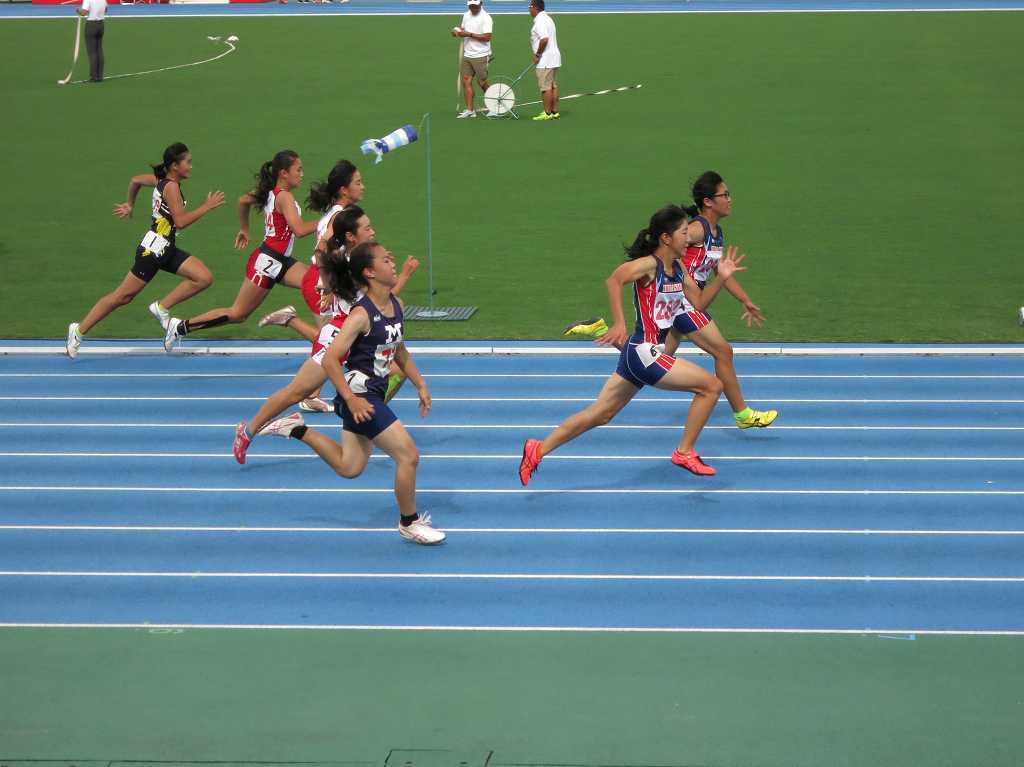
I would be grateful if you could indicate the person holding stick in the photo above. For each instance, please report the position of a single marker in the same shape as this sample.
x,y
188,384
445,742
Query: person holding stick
x,y
94,12
476,32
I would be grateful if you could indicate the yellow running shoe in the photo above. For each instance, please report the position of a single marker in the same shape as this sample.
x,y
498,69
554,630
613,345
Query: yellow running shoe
x,y
592,328
541,117
758,418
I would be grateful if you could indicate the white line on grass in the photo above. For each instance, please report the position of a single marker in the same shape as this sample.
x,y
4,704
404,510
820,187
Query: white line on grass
x,y
231,49
679,578
491,491
517,456
510,530
157,627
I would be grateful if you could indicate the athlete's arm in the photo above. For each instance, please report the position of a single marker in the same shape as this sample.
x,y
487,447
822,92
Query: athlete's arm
x,y
285,205
183,218
358,323
411,265
694,233
751,312
124,209
631,271
245,203
404,361
728,265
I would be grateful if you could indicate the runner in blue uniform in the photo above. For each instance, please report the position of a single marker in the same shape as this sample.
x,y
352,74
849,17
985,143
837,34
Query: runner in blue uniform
x,y
372,338
662,290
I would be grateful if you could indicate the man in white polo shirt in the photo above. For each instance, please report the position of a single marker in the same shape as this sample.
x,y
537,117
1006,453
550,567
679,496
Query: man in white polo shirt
x,y
547,57
94,12
476,31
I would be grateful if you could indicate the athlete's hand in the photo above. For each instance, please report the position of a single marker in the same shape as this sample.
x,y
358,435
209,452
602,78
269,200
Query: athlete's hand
x,y
241,239
730,262
425,401
123,210
360,409
752,314
411,265
616,336
214,200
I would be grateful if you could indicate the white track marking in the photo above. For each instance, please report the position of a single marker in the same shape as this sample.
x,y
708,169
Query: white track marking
x,y
677,578
515,426
510,530
520,629
655,400
490,491
553,376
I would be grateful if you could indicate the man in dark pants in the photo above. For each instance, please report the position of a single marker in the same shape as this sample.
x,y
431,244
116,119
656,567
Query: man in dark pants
x,y
94,12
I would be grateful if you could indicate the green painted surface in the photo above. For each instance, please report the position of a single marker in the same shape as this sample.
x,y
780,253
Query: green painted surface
x,y
873,158
531,698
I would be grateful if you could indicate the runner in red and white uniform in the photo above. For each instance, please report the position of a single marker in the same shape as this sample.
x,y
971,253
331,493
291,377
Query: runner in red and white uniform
x,y
705,239
272,261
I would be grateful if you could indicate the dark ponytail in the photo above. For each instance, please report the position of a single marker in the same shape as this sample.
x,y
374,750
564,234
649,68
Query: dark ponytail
x,y
346,222
322,195
266,177
172,154
667,220
705,186
344,272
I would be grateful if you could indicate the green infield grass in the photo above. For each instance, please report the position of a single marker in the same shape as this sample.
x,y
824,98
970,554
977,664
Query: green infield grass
x,y
872,157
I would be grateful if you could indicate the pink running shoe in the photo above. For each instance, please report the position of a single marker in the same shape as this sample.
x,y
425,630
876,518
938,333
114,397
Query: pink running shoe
x,y
530,462
692,463
242,442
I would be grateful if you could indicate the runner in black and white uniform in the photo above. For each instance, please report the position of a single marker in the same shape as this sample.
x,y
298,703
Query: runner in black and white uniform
x,y
158,249
371,339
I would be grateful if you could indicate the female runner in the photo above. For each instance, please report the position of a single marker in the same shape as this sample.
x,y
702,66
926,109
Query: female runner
x,y
158,249
661,290
272,261
370,339
713,202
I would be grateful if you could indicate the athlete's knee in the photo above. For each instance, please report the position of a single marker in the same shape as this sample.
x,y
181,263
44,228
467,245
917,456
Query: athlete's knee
x,y
203,281
601,415
123,299
410,456
348,472
710,386
723,352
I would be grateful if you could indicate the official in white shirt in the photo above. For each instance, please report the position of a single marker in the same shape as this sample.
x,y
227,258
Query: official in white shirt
x,y
94,12
547,57
476,31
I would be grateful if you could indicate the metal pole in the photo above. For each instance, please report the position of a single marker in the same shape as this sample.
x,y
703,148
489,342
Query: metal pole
x,y
430,223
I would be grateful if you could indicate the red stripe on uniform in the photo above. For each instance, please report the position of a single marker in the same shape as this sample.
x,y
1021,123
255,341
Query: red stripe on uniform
x,y
699,319
645,296
665,361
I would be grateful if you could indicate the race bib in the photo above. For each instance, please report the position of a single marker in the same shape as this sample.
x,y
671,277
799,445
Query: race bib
x,y
356,381
710,264
268,266
154,243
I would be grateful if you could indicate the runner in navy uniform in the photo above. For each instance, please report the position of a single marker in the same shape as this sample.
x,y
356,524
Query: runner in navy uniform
x,y
662,291
158,249
372,338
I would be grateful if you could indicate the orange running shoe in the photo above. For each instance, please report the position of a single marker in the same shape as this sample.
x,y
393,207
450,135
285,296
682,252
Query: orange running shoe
x,y
242,441
692,463
530,462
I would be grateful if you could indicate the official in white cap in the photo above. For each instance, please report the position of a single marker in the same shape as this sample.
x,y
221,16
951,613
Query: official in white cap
x,y
476,31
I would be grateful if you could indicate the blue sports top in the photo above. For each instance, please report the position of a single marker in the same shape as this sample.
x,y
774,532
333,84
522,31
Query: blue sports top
x,y
369,359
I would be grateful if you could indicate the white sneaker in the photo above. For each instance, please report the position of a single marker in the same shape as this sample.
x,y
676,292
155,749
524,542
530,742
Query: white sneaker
x,y
283,427
421,531
280,317
74,340
465,113
316,405
171,337
162,315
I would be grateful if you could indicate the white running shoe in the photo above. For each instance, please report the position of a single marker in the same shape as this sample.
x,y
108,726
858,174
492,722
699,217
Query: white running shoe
x,y
316,405
74,340
283,427
280,317
421,531
171,337
162,315
464,114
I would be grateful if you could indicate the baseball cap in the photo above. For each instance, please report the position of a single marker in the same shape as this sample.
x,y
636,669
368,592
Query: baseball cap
x,y
473,2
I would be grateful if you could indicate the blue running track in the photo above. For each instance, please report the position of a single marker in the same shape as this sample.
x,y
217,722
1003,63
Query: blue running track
x,y
887,499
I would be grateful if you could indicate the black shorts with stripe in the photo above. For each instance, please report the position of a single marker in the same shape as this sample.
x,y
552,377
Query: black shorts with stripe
x,y
147,264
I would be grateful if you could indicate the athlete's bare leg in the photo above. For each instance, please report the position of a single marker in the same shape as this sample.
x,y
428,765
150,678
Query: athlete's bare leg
x,y
706,388
397,443
309,379
122,295
348,457
711,340
197,278
615,395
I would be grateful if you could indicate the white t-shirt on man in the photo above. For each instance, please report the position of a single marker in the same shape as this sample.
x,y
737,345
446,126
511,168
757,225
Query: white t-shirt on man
x,y
480,24
544,26
97,9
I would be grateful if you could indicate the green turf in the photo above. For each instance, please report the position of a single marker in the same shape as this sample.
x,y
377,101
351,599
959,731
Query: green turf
x,y
873,159
532,698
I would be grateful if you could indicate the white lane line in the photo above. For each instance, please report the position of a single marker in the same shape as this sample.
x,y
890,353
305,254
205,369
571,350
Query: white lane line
x,y
491,491
509,530
597,376
517,456
680,578
515,426
162,627
655,400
